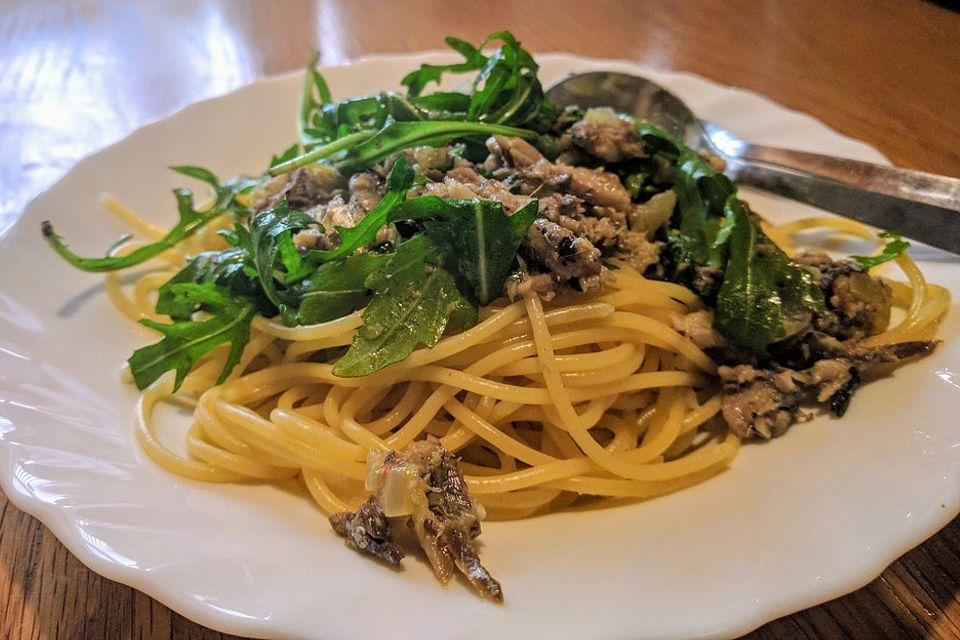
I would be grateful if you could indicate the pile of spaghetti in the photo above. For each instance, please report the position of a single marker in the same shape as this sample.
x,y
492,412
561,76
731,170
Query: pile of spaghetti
x,y
572,304
591,394
594,395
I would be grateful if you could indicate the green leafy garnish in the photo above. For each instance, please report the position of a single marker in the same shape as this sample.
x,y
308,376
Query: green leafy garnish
x,y
314,96
506,89
190,221
479,237
186,341
468,251
763,293
506,98
271,253
328,121
338,288
226,270
289,153
702,194
764,296
415,297
225,194
891,250
416,81
484,242
362,149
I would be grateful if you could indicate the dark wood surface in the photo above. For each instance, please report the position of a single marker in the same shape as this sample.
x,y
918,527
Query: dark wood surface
x,y
75,76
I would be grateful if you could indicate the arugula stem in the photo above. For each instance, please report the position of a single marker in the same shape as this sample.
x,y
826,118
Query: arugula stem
x,y
306,97
322,152
397,136
115,263
365,148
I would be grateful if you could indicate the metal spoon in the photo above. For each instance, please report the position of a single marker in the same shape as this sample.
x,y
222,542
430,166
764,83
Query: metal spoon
x,y
920,205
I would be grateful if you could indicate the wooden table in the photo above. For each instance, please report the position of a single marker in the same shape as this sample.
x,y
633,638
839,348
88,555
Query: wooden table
x,y
75,76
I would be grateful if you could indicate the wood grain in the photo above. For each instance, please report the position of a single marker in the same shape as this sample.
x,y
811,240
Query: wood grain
x,y
75,76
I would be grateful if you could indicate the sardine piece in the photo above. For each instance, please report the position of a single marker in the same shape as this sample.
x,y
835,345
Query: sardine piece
x,y
368,530
421,487
764,402
436,502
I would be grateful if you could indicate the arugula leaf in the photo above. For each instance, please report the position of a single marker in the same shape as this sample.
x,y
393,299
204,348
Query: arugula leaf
x,y
417,80
449,104
414,300
482,242
763,293
506,89
338,288
204,175
186,341
363,113
699,236
225,194
271,251
478,237
419,208
764,297
318,153
702,193
190,221
356,133
226,270
657,142
352,238
891,250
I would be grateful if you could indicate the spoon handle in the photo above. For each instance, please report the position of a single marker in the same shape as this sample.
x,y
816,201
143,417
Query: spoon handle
x,y
863,192
916,186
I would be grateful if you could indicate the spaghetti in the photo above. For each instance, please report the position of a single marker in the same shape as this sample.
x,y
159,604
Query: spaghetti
x,y
590,395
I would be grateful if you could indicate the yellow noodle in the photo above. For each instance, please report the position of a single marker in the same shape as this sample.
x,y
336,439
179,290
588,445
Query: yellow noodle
x,y
131,219
593,394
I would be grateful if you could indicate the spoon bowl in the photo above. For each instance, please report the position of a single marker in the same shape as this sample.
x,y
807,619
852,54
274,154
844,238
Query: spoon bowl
x,y
633,95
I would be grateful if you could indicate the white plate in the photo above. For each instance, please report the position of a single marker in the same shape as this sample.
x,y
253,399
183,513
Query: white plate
x,y
794,522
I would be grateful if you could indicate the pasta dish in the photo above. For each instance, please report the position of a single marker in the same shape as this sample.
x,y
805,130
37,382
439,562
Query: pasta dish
x,y
441,307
